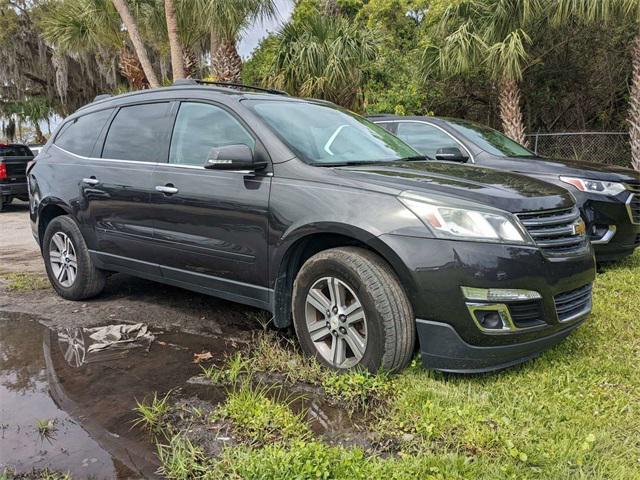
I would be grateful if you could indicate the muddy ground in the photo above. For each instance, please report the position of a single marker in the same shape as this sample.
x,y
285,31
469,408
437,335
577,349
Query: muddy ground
x,y
65,408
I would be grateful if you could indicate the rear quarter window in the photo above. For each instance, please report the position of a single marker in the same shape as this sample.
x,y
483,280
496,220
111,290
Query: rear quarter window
x,y
138,132
80,134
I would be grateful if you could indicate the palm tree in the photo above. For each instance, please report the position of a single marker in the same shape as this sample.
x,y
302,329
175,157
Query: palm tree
x,y
323,56
177,61
136,39
227,20
490,35
607,11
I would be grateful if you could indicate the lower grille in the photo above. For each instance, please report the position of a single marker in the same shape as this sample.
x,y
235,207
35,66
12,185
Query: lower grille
x,y
526,314
573,303
556,232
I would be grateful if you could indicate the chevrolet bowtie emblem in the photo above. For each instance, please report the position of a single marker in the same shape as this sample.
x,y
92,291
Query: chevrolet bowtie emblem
x,y
579,228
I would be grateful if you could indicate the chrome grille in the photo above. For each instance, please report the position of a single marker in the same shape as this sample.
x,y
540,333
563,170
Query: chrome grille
x,y
554,231
573,303
633,202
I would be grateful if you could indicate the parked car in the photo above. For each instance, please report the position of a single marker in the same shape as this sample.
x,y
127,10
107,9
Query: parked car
x,y
317,215
608,196
13,177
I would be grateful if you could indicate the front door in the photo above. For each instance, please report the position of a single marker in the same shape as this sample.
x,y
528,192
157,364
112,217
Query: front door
x,y
210,226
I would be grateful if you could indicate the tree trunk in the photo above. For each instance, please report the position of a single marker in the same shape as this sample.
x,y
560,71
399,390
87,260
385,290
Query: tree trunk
x,y
510,112
634,104
131,69
226,64
177,63
136,39
40,138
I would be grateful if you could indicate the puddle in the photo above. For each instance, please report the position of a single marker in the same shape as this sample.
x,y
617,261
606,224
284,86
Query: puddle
x,y
89,396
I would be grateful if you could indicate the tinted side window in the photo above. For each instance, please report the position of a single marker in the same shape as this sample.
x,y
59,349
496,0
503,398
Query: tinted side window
x,y
137,133
80,134
199,128
425,138
390,127
14,151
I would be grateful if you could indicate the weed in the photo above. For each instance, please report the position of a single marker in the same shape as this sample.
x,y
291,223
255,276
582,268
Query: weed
x,y
46,427
357,390
25,282
259,419
235,367
181,459
151,416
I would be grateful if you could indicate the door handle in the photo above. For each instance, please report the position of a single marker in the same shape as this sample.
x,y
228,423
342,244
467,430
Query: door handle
x,y
167,189
91,181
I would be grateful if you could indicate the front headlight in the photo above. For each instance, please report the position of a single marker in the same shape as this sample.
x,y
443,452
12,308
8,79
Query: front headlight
x,y
462,223
594,186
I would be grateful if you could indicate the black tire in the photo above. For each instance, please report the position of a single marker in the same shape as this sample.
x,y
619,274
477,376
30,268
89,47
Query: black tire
x,y
390,322
89,280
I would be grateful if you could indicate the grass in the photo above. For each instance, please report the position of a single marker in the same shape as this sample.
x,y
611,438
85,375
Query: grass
x,y
25,282
573,413
46,427
151,415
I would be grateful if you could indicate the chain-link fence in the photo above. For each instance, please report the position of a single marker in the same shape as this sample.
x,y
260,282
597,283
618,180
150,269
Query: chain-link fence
x,y
611,148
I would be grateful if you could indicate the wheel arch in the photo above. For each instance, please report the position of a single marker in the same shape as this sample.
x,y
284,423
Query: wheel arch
x,y
298,246
49,209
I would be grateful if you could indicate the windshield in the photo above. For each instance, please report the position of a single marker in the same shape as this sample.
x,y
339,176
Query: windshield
x,y
490,140
324,135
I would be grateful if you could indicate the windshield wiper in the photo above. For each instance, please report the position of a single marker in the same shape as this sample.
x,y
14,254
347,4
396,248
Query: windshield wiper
x,y
414,158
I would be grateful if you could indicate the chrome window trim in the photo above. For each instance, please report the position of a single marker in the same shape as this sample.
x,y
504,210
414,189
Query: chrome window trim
x,y
431,125
166,164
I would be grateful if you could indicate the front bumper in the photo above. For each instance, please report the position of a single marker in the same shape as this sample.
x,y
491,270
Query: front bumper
x,y
14,189
434,270
441,348
605,212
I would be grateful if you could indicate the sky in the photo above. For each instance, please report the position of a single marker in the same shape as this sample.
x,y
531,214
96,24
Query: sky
x,y
260,30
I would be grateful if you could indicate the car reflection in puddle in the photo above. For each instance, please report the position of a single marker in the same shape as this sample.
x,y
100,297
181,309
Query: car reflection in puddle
x,y
83,401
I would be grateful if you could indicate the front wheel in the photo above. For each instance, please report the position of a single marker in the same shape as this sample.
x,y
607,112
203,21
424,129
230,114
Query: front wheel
x,y
350,310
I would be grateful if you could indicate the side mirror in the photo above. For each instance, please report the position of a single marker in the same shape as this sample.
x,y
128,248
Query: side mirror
x,y
231,157
451,154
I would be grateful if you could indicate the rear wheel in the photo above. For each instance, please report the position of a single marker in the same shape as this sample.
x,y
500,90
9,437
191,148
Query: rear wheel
x,y
350,310
68,263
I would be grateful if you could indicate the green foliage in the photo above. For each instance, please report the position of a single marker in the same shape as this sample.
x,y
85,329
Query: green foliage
x,y
151,415
234,368
323,57
357,389
259,419
180,459
25,282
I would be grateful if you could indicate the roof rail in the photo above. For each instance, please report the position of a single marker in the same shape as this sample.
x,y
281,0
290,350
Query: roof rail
x,y
102,97
239,86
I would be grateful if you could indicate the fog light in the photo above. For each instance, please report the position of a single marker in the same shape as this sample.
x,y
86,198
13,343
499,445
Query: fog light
x,y
492,317
489,319
498,294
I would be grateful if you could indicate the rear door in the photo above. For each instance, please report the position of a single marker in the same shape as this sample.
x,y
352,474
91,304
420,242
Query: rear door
x,y
117,189
211,225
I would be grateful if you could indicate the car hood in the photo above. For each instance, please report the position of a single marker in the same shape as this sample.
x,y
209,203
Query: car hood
x,y
500,189
594,171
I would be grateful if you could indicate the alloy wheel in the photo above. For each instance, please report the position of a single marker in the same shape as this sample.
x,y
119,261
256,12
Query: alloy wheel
x,y
336,322
63,260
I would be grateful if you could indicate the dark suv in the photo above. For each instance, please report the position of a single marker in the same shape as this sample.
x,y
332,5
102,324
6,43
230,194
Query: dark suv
x,y
608,196
317,215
